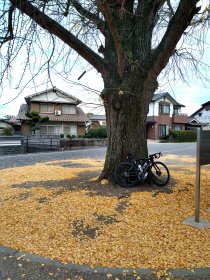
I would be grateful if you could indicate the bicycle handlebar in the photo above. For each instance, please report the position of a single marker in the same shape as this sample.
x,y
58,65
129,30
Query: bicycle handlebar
x,y
155,155
131,157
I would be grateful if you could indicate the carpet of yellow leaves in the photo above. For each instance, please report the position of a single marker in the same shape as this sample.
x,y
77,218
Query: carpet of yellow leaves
x,y
78,227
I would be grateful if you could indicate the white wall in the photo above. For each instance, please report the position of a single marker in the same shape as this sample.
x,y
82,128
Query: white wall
x,y
154,107
53,97
204,117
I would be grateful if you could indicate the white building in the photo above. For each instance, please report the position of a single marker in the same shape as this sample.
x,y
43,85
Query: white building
x,y
203,115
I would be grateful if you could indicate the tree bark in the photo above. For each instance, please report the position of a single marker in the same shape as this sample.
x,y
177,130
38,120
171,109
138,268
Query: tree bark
x,y
126,110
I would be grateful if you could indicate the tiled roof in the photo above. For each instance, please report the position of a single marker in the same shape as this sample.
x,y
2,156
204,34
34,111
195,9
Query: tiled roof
x,y
162,94
97,117
158,96
22,111
204,106
79,117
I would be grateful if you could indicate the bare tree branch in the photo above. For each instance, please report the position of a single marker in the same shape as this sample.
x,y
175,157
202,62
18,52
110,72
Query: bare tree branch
x,y
66,36
180,21
9,36
171,10
115,36
87,14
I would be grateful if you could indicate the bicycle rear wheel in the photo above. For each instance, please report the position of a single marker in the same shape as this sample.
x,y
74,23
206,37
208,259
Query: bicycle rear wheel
x,y
125,175
159,174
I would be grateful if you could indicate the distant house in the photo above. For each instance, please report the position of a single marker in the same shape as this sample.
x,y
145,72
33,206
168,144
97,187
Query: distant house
x,y
10,123
164,113
65,117
4,124
202,116
96,121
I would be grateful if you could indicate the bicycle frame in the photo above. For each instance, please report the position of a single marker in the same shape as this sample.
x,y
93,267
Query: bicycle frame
x,y
149,162
135,170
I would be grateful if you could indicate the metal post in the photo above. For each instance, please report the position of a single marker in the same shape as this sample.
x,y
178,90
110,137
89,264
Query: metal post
x,y
198,171
27,145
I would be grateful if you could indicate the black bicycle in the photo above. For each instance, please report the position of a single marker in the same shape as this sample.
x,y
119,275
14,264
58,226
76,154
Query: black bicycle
x,y
135,171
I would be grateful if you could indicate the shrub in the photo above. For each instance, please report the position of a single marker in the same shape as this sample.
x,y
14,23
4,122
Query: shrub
x,y
8,131
68,136
100,132
163,138
61,135
183,135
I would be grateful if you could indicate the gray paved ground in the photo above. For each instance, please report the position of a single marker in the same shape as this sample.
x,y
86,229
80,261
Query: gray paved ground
x,y
28,159
180,149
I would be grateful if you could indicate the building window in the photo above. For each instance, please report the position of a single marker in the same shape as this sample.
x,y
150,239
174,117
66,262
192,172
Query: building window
x,y
50,130
176,111
164,108
163,130
177,127
66,130
46,108
58,129
68,109
73,129
43,130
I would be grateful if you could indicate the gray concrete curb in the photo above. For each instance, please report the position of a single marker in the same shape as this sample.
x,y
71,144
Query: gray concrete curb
x,y
197,272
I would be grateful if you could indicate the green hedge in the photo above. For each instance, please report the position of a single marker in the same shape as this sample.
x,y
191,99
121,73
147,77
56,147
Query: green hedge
x,y
183,135
99,132
8,131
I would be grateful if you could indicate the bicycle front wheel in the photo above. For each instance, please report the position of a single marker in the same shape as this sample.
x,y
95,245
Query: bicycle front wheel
x,y
125,175
159,174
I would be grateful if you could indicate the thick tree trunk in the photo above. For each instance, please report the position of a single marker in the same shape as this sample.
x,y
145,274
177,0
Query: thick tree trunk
x,y
126,114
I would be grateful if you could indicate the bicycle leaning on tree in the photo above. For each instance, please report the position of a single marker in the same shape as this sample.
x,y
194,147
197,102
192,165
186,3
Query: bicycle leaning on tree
x,y
139,170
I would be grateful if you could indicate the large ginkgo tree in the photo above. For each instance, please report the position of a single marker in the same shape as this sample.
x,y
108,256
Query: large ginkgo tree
x,y
129,42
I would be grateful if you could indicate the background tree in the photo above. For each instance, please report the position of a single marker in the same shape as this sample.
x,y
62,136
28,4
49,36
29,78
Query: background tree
x,y
34,120
129,42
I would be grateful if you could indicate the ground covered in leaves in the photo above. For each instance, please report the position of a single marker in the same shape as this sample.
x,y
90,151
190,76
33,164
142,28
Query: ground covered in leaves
x,y
58,210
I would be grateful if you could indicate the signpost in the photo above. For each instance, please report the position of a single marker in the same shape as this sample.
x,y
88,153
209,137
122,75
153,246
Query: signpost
x,y
203,157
